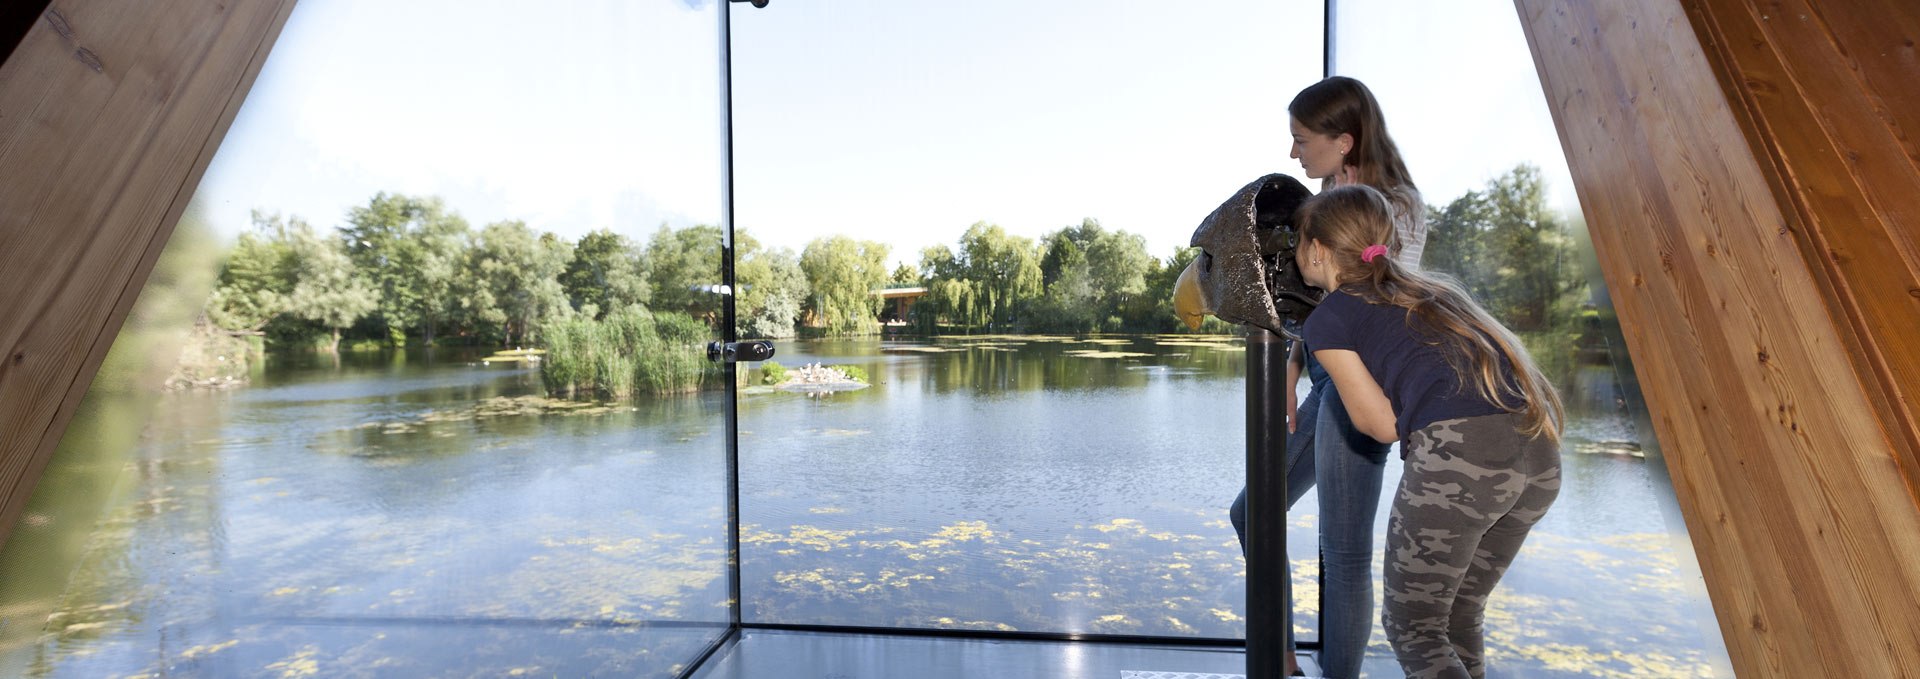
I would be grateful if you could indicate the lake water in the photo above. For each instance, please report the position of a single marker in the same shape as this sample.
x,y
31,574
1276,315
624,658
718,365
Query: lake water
x,y
408,514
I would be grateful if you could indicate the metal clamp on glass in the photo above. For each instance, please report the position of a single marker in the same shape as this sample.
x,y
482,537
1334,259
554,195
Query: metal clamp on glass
x,y
733,352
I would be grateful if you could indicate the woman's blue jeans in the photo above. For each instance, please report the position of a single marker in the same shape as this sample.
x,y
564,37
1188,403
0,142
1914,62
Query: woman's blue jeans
x,y
1327,450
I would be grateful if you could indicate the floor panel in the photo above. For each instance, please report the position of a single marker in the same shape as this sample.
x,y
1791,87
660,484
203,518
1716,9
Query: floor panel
x,y
765,654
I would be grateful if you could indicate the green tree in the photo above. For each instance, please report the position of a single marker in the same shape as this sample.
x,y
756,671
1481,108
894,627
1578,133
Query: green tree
x,y
1510,250
437,256
683,269
522,269
376,239
772,288
1118,262
1089,275
1002,272
950,295
1457,242
1516,256
408,248
328,291
1072,301
473,307
843,274
904,276
606,274
1539,283
256,282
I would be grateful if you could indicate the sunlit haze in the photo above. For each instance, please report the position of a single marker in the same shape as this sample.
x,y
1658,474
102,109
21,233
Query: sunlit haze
x,y
897,122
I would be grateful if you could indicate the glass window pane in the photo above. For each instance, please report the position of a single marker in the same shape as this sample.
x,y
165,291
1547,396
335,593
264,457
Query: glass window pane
x,y
1607,584
974,213
430,409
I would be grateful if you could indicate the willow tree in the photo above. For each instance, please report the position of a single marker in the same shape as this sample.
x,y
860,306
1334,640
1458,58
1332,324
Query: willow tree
x,y
843,275
1004,271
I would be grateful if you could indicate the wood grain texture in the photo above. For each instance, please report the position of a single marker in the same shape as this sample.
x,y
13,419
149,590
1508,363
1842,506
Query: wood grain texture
x,y
1830,99
110,111
1763,331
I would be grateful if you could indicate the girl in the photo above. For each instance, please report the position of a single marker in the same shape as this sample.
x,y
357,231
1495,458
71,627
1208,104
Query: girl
x,y
1417,361
1340,137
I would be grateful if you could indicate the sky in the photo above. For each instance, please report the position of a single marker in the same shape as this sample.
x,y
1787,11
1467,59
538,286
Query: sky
x,y
900,122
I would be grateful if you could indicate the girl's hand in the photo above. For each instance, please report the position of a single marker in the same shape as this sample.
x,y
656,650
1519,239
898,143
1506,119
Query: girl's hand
x,y
1348,174
1291,407
1296,361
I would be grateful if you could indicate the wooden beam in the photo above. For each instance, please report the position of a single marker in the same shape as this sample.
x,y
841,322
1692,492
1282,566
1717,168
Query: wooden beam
x,y
1829,100
1752,193
110,111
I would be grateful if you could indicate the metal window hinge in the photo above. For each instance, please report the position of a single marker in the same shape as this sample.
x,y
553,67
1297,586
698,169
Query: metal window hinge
x,y
734,352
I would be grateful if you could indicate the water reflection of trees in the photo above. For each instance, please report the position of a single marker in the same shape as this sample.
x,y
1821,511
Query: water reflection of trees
x,y
103,478
227,518
138,588
1065,363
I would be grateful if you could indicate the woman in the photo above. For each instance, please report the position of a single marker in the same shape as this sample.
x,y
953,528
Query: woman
x,y
1340,138
1418,362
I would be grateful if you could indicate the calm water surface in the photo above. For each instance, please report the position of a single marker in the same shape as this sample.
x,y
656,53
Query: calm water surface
x,y
407,515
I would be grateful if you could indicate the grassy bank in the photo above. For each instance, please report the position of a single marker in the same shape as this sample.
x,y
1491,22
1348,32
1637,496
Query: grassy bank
x,y
628,354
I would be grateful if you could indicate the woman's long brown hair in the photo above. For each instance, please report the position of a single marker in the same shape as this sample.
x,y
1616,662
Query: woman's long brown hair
x,y
1341,105
1346,220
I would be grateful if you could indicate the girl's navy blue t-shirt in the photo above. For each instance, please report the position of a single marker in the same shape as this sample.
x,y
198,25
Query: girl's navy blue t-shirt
x,y
1414,374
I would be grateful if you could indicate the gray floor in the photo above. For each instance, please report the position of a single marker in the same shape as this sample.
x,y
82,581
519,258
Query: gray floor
x,y
1375,665
761,654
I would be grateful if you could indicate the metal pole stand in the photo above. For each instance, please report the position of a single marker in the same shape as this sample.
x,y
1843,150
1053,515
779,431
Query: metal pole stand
x,y
1267,614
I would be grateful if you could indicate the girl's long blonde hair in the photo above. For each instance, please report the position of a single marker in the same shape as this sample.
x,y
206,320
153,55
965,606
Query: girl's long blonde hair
x,y
1348,219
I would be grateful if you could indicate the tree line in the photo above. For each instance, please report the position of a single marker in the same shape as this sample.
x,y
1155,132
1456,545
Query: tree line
x,y
408,269
405,269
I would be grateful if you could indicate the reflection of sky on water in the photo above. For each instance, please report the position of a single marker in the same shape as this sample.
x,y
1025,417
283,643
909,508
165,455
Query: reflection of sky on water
x,y
387,519
291,541
1596,592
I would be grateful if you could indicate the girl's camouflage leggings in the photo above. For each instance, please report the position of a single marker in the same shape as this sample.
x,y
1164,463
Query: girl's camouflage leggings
x,y
1472,489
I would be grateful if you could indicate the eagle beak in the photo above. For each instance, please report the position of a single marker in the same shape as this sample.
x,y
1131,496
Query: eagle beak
x,y
1189,305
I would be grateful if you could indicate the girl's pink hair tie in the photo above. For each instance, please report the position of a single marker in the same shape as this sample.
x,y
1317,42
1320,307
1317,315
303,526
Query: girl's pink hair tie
x,y
1371,252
